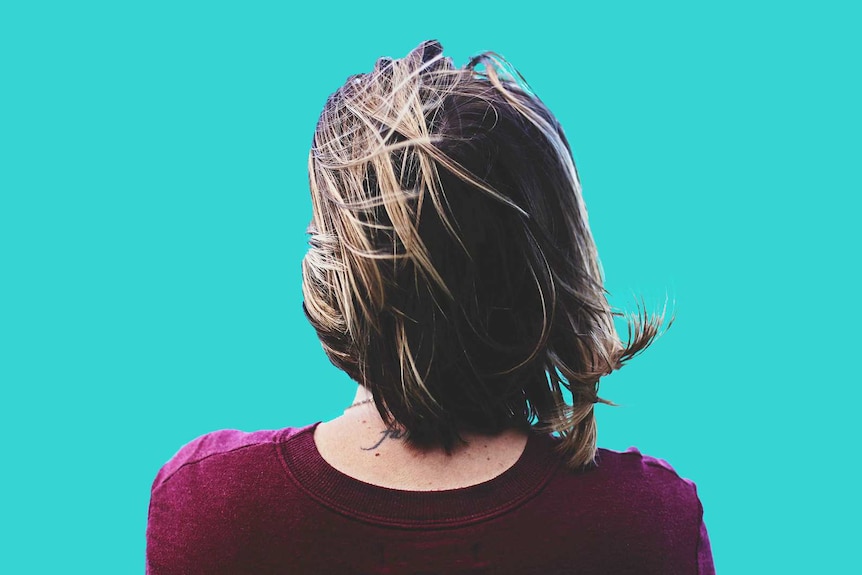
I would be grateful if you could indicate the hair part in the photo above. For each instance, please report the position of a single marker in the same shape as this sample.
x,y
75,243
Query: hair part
x,y
451,268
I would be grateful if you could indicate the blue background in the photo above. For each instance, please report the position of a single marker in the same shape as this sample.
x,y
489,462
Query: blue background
x,y
154,203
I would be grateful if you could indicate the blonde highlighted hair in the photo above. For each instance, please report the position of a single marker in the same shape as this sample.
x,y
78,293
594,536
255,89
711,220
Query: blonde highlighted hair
x,y
451,268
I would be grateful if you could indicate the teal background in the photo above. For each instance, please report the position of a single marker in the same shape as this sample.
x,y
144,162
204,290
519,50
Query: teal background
x,y
153,204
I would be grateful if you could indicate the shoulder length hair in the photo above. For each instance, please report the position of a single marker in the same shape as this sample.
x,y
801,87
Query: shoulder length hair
x,y
451,268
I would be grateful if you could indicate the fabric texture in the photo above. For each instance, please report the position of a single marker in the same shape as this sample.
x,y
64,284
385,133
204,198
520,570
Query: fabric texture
x,y
267,502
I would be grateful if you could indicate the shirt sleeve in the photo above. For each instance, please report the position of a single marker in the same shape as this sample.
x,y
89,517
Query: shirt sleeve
x,y
189,527
704,553
705,564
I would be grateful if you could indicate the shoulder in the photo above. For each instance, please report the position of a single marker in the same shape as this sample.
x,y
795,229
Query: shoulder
x,y
632,460
217,449
207,501
649,480
638,509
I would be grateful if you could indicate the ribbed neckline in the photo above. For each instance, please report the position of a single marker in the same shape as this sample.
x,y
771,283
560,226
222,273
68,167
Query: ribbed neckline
x,y
375,504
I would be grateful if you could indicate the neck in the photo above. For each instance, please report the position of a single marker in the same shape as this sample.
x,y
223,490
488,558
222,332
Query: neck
x,y
359,444
362,414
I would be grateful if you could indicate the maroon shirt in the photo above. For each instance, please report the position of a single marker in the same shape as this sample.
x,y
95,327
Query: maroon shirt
x,y
267,502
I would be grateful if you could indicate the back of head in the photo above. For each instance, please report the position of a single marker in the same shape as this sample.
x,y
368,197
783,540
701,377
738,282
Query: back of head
x,y
451,268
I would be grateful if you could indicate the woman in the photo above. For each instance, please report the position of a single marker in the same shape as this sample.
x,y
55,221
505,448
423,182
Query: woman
x,y
453,275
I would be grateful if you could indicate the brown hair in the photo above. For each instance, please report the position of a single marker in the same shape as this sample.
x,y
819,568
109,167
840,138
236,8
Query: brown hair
x,y
451,268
